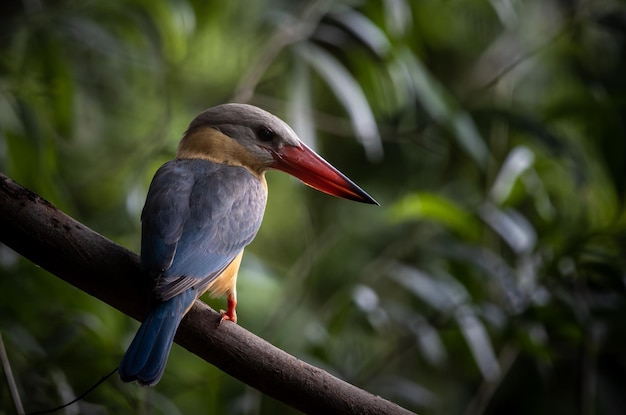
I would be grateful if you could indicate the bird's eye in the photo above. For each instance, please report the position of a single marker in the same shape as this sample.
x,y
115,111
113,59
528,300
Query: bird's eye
x,y
265,134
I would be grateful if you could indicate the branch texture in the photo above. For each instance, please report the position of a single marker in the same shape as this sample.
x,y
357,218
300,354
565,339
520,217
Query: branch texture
x,y
49,238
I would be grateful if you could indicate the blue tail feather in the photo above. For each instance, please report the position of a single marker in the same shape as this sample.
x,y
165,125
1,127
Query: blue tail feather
x,y
146,357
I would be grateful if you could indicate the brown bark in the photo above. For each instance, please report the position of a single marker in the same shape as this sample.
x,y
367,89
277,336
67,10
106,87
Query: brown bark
x,y
46,236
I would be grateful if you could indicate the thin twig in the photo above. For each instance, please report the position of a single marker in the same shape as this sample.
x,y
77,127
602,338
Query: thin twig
x,y
487,389
78,398
6,365
519,60
299,29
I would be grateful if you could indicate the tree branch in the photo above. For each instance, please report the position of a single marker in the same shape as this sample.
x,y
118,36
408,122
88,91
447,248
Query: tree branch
x,y
46,236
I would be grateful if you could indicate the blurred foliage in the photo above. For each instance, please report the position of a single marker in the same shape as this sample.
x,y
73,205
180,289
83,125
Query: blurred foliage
x,y
491,280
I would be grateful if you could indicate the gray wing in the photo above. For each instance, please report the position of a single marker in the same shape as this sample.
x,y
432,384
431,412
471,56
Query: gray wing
x,y
197,218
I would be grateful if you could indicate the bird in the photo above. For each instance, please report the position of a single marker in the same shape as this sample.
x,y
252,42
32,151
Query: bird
x,y
203,208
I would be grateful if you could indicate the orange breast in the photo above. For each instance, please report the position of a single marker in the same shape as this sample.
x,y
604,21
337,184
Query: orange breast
x,y
226,282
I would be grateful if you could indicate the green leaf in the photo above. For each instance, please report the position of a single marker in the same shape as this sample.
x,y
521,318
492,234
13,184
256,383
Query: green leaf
x,y
365,30
441,106
349,93
478,340
435,208
300,111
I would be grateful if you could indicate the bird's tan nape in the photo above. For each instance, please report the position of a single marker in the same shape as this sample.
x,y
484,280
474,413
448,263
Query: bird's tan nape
x,y
207,143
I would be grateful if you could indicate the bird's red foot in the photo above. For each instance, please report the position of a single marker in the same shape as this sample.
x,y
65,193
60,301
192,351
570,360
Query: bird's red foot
x,y
229,314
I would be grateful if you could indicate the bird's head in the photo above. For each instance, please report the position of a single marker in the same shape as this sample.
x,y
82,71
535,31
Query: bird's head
x,y
244,135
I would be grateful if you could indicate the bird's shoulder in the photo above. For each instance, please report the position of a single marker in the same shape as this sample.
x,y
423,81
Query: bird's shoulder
x,y
204,181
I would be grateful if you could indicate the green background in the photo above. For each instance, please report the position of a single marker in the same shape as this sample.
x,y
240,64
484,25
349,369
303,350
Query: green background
x,y
491,279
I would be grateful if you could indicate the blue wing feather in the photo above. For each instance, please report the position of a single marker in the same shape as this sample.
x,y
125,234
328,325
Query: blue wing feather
x,y
164,216
146,356
197,218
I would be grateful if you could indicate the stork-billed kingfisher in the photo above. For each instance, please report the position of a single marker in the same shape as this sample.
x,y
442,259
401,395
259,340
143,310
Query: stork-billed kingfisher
x,y
203,208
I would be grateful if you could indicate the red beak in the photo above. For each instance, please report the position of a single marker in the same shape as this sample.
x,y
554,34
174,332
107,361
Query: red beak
x,y
314,171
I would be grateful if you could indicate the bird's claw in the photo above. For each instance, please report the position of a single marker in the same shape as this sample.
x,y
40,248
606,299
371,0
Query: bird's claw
x,y
227,315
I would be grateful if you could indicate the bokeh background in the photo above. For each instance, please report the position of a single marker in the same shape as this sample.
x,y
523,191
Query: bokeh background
x,y
493,133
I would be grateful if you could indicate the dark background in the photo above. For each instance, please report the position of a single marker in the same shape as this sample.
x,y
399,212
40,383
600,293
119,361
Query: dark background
x,y
491,279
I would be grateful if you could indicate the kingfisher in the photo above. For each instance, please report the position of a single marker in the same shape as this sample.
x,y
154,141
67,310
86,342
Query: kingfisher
x,y
203,208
